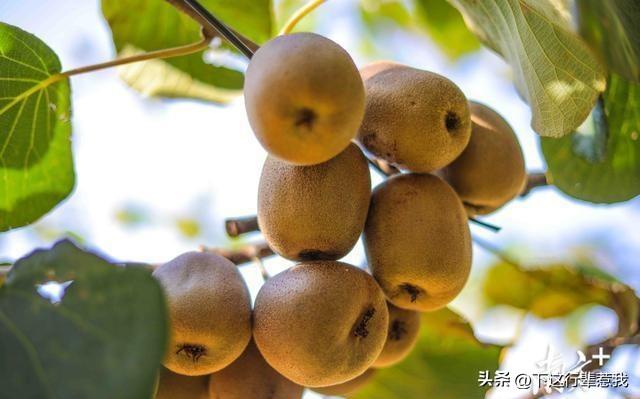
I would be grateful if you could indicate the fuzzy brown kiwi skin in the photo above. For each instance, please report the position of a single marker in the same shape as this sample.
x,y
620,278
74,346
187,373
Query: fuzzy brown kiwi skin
x,y
250,376
304,98
404,327
491,170
314,212
209,311
177,386
416,120
417,241
348,387
318,314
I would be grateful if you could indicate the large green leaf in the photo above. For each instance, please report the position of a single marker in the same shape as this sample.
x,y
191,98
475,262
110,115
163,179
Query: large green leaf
x,y
611,27
443,365
446,27
36,167
146,25
554,70
104,338
611,173
558,290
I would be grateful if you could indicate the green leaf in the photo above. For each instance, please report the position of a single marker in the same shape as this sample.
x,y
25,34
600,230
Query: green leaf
x,y
445,26
615,176
611,27
36,167
105,337
553,291
444,364
146,25
554,70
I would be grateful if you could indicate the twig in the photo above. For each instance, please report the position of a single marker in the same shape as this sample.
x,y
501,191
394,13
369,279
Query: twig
x,y
262,269
534,180
242,225
243,255
486,225
298,15
383,167
212,25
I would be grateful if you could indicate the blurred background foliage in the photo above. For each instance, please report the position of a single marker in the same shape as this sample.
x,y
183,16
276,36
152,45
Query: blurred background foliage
x,y
562,273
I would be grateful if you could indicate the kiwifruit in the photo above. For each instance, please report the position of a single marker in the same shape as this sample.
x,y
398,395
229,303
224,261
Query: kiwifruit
x,y
320,323
177,386
314,212
414,119
417,241
402,335
209,312
251,377
373,68
490,171
349,387
304,98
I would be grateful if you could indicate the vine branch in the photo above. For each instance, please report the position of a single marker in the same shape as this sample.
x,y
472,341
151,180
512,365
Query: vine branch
x,y
534,180
246,254
238,226
213,27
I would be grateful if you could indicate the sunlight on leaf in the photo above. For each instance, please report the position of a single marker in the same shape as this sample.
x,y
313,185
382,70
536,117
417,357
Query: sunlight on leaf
x,y
146,25
587,169
554,70
36,168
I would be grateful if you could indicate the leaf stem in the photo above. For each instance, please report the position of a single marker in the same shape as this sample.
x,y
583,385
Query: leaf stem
x,y
158,54
298,15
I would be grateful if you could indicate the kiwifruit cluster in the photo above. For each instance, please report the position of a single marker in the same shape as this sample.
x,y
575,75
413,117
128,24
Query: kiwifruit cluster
x,y
322,323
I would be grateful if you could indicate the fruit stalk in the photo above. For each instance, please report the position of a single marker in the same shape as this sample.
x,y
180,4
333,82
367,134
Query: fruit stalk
x,y
242,225
534,180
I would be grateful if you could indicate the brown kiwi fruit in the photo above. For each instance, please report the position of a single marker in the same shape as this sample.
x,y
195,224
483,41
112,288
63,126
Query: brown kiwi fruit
x,y
414,119
304,98
402,335
209,312
372,69
320,323
250,376
490,171
417,241
314,212
349,387
177,386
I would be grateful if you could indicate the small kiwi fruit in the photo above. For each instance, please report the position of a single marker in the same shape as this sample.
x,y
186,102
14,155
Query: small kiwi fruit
x,y
250,376
209,312
177,386
304,98
402,335
314,212
320,323
414,119
349,387
417,241
490,171
373,68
